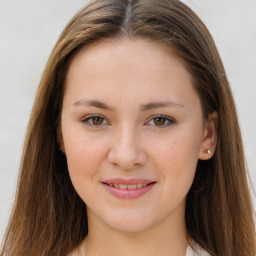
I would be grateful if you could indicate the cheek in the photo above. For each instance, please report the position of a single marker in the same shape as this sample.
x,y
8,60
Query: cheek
x,y
84,154
84,158
176,159
177,150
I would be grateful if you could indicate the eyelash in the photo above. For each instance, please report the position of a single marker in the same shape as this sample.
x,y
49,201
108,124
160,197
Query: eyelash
x,y
89,119
167,121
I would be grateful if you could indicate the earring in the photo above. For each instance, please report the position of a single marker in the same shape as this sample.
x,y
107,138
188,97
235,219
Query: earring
x,y
62,150
207,151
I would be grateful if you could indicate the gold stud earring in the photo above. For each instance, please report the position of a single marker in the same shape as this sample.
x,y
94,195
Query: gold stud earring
x,y
207,151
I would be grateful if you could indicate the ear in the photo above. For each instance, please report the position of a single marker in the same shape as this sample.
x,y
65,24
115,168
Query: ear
x,y
60,139
209,142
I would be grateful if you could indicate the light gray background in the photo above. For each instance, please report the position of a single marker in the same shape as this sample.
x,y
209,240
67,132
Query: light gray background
x,y
28,32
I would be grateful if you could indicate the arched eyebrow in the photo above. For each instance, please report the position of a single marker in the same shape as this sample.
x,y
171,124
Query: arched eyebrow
x,y
93,103
143,107
160,104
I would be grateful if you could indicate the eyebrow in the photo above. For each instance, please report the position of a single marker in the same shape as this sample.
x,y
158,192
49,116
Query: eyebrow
x,y
144,107
160,104
93,103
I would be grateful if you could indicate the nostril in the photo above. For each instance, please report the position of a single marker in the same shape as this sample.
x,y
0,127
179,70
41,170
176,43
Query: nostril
x,y
126,157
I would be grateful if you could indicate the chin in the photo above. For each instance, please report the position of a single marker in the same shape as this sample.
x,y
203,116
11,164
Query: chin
x,y
135,227
129,221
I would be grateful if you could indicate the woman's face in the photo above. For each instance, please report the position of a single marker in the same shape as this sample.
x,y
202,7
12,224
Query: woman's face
x,y
132,131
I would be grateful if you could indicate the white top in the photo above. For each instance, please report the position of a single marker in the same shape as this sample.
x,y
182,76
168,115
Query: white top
x,y
197,252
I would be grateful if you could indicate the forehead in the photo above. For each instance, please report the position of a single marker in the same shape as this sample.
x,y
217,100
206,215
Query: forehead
x,y
130,69
126,50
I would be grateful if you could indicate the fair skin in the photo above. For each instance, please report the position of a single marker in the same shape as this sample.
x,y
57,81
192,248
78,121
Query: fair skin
x,y
147,124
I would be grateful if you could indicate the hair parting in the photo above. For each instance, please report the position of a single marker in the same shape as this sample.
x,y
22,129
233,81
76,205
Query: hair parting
x,y
48,216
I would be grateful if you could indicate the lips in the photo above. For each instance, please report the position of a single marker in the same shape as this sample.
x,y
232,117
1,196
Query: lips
x,y
128,188
125,186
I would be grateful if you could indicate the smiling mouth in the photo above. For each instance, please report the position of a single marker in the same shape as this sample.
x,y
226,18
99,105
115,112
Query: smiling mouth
x,y
128,187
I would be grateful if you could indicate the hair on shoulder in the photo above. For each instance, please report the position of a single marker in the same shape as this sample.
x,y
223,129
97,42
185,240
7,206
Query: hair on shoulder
x,y
49,218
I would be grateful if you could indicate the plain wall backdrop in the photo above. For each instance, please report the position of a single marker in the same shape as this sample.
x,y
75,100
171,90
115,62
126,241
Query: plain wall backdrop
x,y
28,32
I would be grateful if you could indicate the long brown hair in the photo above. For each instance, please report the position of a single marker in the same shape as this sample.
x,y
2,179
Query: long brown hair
x,y
48,216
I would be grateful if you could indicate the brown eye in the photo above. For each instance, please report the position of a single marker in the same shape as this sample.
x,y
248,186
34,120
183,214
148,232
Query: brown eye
x,y
159,121
97,120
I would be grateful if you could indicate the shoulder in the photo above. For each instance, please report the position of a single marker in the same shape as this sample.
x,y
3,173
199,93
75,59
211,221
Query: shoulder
x,y
196,251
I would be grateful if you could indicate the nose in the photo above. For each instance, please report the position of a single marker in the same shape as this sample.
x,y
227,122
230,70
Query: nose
x,y
126,151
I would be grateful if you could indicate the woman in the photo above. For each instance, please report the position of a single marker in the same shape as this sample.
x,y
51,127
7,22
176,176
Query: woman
x,y
133,145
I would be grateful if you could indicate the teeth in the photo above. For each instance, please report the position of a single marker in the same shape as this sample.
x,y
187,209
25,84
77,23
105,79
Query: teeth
x,y
132,186
124,186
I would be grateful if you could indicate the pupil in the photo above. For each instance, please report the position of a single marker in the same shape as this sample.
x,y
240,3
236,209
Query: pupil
x,y
97,120
159,121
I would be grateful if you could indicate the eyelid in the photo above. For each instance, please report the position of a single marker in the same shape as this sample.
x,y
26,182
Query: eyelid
x,y
88,117
170,120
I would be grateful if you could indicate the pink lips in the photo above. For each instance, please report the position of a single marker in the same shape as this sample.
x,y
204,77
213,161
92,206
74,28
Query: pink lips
x,y
128,188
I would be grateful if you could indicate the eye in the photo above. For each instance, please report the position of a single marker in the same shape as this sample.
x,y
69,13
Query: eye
x,y
95,120
161,121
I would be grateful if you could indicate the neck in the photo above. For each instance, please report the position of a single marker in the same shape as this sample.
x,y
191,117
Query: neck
x,y
165,239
